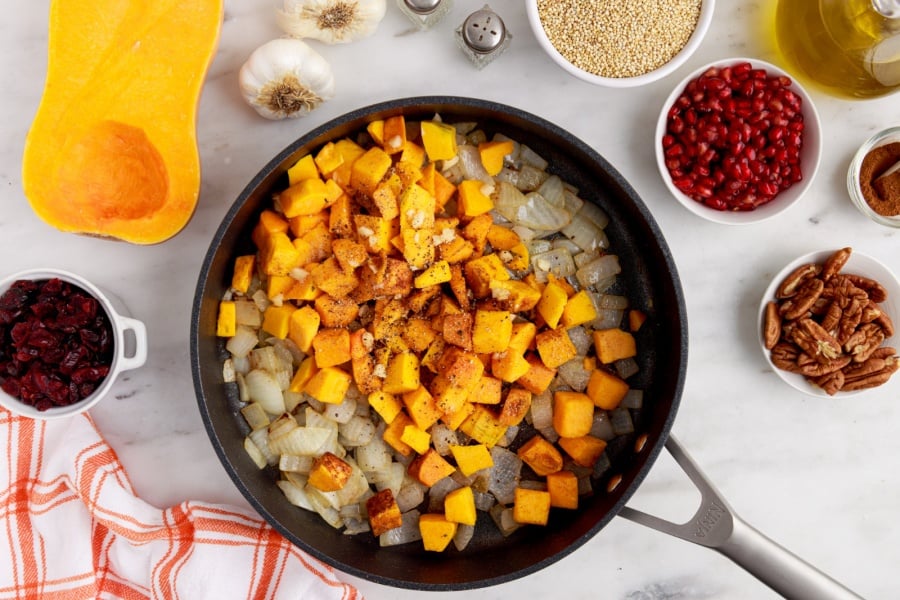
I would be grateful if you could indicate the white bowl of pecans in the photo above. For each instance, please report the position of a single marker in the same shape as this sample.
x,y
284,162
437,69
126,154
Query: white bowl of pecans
x,y
738,141
619,44
825,323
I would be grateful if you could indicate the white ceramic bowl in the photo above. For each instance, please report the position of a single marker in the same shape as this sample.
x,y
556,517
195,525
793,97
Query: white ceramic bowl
x,y
703,22
886,136
129,351
859,264
810,154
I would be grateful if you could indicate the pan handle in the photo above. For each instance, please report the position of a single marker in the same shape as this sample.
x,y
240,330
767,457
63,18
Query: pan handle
x,y
715,525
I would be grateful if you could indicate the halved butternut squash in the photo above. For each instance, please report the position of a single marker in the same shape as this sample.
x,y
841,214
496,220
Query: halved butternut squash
x,y
112,150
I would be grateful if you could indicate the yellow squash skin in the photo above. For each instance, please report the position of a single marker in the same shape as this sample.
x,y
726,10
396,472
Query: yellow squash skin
x,y
112,150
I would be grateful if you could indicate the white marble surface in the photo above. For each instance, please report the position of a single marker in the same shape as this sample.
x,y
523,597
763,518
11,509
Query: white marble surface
x,y
819,476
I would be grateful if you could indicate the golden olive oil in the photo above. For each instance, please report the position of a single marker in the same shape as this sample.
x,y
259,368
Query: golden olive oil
x,y
847,47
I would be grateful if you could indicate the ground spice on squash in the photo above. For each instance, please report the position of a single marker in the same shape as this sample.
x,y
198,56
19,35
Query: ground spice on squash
x,y
882,195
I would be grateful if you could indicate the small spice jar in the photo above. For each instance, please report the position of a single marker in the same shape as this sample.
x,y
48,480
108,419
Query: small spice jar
x,y
875,195
483,36
425,14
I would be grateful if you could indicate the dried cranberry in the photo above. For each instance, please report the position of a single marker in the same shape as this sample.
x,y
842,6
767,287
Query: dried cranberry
x,y
55,343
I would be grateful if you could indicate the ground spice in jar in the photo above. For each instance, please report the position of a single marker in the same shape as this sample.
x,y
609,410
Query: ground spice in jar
x,y
612,38
883,195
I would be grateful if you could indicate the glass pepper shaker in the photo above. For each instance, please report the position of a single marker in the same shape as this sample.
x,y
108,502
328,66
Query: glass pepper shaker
x,y
483,36
424,14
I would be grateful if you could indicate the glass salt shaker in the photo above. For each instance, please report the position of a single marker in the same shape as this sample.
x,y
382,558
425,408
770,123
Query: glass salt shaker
x,y
425,13
483,36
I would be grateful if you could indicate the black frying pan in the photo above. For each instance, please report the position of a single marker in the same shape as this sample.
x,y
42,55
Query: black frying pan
x,y
649,279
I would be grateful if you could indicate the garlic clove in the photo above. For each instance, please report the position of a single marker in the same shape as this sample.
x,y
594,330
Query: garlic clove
x,y
286,78
331,21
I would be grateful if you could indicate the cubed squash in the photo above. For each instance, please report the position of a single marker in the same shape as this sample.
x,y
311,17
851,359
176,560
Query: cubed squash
x,y
439,140
515,406
459,506
636,319
422,408
492,154
331,347
491,331
523,333
579,310
306,197
488,390
454,419
606,389
436,531
573,414
329,473
369,169
471,459
383,512
514,295
329,385
563,489
502,238
437,273
584,450
614,344
539,376
531,507
393,434
430,467
388,406
269,222
471,200
394,134
552,304
243,273
416,439
483,426
329,158
305,372
481,272
226,325
279,256
540,455
305,168
277,320
555,347
402,373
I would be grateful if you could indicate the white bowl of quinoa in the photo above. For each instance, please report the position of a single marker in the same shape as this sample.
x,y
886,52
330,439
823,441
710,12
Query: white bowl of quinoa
x,y
619,44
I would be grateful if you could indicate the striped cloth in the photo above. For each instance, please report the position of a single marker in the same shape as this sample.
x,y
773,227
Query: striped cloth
x,y
73,527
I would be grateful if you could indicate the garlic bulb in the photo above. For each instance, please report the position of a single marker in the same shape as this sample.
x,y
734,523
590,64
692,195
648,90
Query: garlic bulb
x,y
331,21
286,78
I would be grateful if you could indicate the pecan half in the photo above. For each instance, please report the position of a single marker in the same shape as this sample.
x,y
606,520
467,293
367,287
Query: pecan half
x,y
771,325
864,342
812,368
815,341
872,380
834,263
784,356
875,290
803,300
832,318
792,282
887,325
831,383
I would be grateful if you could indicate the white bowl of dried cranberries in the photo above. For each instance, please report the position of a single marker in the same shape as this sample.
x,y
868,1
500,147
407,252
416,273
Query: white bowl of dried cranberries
x,y
738,141
826,323
62,343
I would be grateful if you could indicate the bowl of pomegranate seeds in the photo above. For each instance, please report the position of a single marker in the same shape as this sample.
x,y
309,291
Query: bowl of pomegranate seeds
x,y
62,343
738,141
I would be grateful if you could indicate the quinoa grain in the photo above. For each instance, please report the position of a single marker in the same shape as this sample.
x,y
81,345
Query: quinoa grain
x,y
616,39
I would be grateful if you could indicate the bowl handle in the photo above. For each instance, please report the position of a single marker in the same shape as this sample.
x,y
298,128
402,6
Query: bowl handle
x,y
715,525
139,353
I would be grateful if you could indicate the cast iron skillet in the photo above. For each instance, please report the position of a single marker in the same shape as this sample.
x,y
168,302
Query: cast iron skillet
x,y
649,280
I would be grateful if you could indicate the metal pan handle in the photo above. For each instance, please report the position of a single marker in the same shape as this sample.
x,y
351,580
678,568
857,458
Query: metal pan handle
x,y
715,525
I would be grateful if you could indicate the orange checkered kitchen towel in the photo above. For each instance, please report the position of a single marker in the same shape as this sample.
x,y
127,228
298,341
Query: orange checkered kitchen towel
x,y
72,527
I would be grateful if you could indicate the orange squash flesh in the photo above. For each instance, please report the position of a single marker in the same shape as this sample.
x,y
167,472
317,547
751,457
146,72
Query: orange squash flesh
x,y
112,150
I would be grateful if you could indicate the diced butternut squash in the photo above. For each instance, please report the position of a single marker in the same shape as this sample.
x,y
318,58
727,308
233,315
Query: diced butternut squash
x,y
393,434
331,347
522,336
336,312
402,373
394,134
383,511
226,325
573,414
388,406
305,168
481,272
539,376
306,197
531,507
429,468
269,222
555,347
552,304
422,408
584,450
369,169
488,390
454,419
502,238
277,320
606,389
305,372
471,459
437,532
492,331
563,489
636,319
459,506
416,439
492,154
437,273
579,310
540,455
515,406
439,140
614,344
483,426
329,473
329,158
279,256
471,200
243,273
329,385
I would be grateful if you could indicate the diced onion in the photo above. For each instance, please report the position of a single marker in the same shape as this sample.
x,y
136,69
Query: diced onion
x,y
242,342
597,270
262,387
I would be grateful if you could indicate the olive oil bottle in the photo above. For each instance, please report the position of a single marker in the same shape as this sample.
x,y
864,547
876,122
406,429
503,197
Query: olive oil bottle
x,y
849,48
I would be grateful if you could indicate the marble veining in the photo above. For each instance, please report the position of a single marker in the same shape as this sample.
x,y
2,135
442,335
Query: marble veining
x,y
818,476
